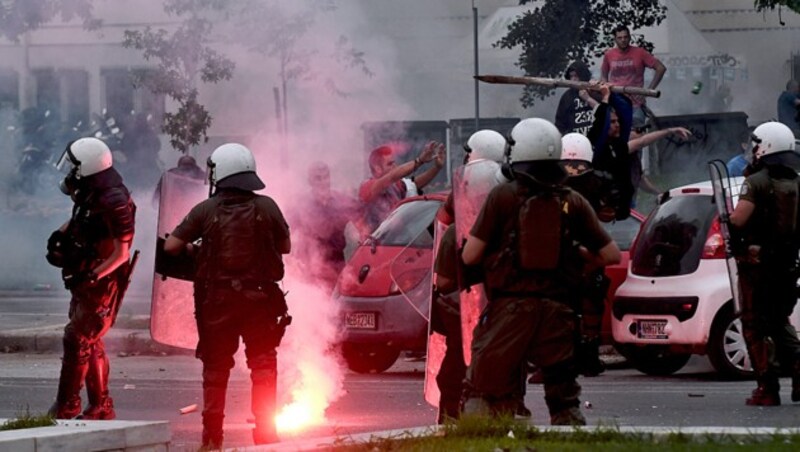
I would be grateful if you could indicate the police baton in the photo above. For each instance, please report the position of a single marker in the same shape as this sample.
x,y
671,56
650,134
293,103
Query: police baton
x,y
126,282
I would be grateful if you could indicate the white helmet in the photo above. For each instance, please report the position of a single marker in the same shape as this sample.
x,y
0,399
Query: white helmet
x,y
771,138
233,166
84,157
575,146
486,144
535,139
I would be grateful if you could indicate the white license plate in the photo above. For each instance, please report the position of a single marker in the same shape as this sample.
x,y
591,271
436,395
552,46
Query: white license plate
x,y
652,329
360,320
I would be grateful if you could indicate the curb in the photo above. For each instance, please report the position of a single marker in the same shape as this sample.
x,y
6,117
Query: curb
x,y
89,435
752,434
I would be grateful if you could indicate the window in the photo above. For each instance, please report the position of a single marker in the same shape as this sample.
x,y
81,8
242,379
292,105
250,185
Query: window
x,y
9,89
122,97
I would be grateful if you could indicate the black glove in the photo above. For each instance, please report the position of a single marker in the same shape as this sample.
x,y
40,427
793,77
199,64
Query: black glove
x,y
55,249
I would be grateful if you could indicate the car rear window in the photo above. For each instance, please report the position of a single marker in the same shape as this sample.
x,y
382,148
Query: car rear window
x,y
409,224
623,232
672,238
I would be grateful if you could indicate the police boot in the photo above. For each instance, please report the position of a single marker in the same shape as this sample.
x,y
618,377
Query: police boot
x,y
68,398
449,409
215,385
590,363
263,404
796,381
563,403
101,406
766,394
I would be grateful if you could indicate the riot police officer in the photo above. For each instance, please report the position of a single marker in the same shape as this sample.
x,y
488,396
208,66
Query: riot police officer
x,y
92,248
766,224
524,239
239,264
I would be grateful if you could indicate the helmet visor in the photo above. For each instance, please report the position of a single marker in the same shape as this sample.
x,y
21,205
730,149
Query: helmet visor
x,y
67,163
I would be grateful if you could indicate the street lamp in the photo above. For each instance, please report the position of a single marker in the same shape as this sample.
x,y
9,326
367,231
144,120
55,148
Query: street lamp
x,y
475,57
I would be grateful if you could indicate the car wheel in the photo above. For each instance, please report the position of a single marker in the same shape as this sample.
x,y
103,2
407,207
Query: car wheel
x,y
654,359
369,359
726,347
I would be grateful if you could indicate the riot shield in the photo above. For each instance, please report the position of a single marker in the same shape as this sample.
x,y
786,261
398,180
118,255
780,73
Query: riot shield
x,y
471,184
723,199
436,341
172,309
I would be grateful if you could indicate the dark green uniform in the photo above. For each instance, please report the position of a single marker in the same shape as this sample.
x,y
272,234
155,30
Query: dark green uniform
x,y
767,275
529,315
446,320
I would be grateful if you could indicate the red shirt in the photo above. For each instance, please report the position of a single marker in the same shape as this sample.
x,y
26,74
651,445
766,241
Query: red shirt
x,y
627,68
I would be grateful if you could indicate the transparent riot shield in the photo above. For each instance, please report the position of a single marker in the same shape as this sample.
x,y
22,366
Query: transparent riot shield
x,y
471,184
723,199
436,342
172,308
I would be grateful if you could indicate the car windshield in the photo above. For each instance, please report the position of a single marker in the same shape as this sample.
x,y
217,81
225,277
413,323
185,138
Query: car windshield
x,y
672,238
409,224
623,232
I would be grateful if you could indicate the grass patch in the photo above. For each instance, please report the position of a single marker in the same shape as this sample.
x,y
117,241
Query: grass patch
x,y
28,420
500,435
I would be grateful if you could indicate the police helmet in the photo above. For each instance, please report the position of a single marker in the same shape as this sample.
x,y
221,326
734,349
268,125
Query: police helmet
x,y
575,146
771,138
85,157
232,165
533,140
486,144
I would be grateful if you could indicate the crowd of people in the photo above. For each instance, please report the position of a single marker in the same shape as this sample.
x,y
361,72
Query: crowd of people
x,y
524,240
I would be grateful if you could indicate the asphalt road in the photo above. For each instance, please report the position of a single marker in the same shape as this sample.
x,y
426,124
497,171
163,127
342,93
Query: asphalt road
x,y
157,386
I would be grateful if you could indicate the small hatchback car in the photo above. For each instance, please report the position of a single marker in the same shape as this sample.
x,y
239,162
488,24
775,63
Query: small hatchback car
x,y
384,288
676,300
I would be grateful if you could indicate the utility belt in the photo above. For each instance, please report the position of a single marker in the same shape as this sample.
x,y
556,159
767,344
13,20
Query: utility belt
x,y
242,284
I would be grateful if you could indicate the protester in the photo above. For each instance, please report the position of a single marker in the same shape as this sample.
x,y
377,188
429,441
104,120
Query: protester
x,y
523,240
609,135
239,265
766,246
186,167
789,107
386,187
576,107
739,162
319,221
92,249
624,65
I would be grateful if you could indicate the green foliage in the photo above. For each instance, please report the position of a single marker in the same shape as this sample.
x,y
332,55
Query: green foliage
x,y
562,31
761,5
28,420
182,56
19,16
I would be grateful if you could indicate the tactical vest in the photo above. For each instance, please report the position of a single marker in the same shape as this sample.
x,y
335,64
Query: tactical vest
x,y
240,244
536,255
776,226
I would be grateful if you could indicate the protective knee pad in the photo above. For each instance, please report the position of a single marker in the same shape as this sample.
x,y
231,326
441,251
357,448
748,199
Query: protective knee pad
x,y
76,350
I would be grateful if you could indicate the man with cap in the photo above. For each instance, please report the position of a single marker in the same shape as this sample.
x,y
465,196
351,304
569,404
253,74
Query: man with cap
x,y
242,236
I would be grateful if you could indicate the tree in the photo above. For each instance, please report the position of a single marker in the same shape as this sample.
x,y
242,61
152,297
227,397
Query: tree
x,y
562,31
182,57
761,5
19,16
277,30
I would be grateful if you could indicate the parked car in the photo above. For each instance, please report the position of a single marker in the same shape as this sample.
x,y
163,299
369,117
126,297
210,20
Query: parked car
x,y
676,300
384,288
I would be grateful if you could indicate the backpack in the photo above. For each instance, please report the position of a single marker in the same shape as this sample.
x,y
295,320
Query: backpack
x,y
240,244
540,230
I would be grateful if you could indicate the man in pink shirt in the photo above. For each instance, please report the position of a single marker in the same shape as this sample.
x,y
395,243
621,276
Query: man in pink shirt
x,y
624,65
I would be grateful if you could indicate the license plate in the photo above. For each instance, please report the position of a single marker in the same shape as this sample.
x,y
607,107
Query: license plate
x,y
360,320
652,329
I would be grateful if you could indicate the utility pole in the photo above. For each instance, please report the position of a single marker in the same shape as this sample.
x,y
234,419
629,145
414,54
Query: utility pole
x,y
475,57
